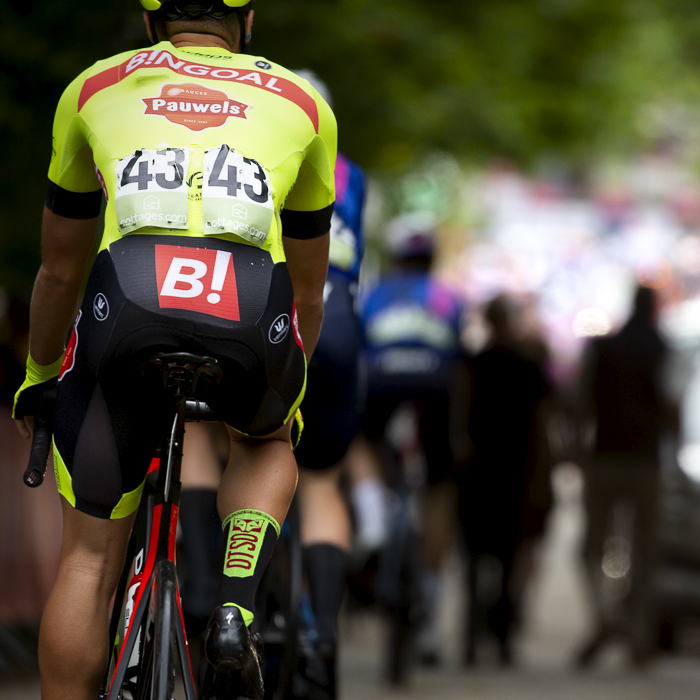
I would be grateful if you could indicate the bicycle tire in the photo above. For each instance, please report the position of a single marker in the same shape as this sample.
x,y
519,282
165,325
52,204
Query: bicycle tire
x,y
157,676
163,654
400,645
397,591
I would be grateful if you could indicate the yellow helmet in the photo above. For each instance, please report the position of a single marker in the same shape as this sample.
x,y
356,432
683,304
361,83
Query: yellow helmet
x,y
156,4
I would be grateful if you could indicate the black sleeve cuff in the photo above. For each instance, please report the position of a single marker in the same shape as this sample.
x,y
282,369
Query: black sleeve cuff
x,y
73,205
304,225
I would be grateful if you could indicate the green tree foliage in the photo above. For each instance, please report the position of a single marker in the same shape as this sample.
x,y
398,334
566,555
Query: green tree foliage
x,y
44,44
515,78
485,77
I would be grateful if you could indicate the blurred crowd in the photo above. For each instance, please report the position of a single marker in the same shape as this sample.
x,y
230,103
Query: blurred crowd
x,y
546,336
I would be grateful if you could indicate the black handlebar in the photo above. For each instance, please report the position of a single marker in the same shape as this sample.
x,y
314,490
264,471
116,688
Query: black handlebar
x,y
41,440
38,457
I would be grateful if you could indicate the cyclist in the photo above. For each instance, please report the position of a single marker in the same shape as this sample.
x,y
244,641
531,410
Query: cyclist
x,y
207,157
332,418
413,353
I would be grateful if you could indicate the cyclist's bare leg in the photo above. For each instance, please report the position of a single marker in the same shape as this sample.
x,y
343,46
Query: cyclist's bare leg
x,y
201,463
256,491
367,493
261,474
326,534
439,522
73,642
324,515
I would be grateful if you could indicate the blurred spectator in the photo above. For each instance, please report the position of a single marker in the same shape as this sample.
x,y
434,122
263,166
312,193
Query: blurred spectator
x,y
504,492
30,519
14,345
626,410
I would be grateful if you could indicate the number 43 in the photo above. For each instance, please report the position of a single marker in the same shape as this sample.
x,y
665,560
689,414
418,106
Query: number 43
x,y
231,183
175,157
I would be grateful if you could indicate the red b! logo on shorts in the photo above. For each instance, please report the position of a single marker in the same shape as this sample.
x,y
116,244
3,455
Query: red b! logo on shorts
x,y
197,279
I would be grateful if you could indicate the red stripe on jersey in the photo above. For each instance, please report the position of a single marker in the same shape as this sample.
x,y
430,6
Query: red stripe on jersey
x,y
145,60
98,82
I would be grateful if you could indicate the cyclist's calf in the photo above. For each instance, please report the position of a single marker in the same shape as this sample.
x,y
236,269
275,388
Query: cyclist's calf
x,y
73,643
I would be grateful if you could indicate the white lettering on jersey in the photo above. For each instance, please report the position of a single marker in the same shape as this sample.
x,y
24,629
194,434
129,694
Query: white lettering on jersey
x,y
176,274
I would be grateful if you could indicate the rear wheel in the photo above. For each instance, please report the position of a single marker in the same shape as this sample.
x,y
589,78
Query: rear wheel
x,y
397,591
165,594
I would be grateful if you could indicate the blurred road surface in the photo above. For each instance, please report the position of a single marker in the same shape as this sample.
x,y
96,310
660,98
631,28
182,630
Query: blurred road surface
x,y
555,624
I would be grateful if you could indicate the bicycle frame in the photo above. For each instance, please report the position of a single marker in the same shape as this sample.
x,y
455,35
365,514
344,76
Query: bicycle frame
x,y
150,561
148,585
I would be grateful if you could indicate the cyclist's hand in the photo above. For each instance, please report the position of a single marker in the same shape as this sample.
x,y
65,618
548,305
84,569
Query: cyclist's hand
x,y
25,426
39,379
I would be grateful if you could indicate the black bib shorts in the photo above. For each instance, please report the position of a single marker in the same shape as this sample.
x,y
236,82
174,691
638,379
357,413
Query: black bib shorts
x,y
331,406
151,294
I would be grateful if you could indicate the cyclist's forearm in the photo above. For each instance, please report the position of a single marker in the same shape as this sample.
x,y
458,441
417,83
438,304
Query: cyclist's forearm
x,y
65,249
310,319
54,301
307,262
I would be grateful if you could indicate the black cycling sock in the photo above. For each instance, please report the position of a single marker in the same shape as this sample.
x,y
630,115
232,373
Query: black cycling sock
x,y
251,538
326,569
200,524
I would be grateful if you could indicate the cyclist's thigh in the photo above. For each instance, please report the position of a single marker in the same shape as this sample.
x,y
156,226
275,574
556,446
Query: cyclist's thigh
x,y
95,547
107,419
330,406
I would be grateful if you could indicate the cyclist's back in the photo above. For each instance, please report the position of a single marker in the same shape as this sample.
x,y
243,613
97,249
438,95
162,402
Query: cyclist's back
x,y
155,120
411,321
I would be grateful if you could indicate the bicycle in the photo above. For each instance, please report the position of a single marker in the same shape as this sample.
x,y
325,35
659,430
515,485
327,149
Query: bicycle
x,y
399,564
143,661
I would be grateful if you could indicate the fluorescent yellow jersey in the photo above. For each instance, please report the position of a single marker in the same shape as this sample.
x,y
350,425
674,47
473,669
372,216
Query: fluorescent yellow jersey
x,y
196,142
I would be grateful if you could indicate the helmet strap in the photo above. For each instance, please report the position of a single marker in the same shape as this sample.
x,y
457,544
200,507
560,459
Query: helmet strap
x,y
245,38
152,27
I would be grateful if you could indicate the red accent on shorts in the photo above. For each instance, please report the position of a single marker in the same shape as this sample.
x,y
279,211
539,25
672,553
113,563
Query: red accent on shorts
x,y
295,327
69,357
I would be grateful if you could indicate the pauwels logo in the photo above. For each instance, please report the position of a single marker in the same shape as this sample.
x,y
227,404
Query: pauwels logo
x,y
195,106
197,279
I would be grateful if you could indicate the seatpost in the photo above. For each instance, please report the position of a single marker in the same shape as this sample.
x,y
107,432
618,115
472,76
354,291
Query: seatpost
x,y
173,462
180,372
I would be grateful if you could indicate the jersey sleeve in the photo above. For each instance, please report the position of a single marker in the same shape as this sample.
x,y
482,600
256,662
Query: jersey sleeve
x,y
309,206
73,190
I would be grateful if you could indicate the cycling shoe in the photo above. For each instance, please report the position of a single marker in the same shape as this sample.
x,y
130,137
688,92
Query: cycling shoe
x,y
235,666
